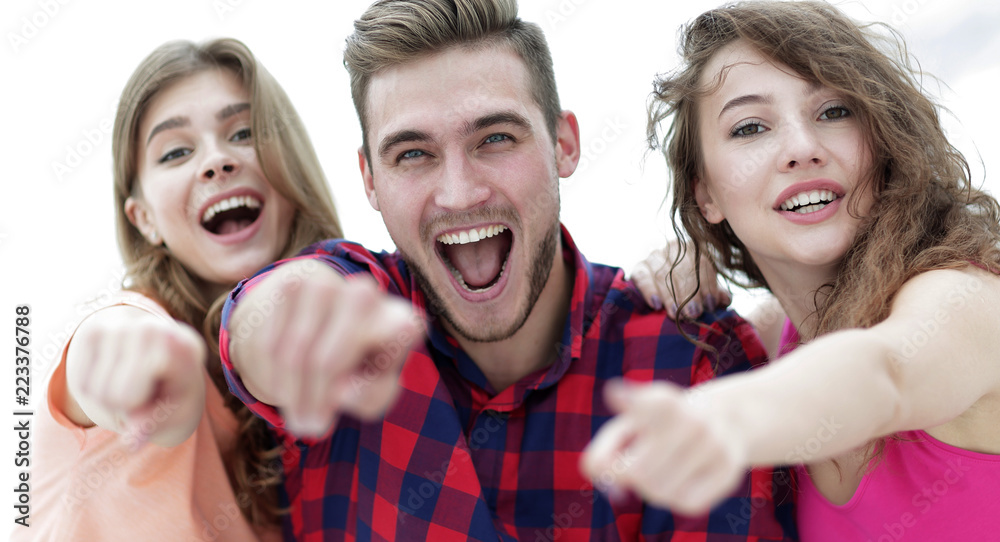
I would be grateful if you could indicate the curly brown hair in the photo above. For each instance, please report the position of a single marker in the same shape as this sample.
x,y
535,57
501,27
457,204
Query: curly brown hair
x,y
290,165
926,215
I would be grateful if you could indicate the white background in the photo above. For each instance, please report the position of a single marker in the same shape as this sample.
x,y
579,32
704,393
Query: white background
x,y
65,62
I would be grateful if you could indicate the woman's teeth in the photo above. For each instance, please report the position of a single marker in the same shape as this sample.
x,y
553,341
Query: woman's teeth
x,y
249,202
808,202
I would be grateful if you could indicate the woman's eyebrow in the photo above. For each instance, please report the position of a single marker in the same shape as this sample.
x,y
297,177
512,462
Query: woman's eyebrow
x,y
231,110
747,99
172,122
179,122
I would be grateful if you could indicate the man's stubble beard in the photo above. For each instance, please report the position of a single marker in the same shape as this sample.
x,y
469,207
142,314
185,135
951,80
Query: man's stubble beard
x,y
541,267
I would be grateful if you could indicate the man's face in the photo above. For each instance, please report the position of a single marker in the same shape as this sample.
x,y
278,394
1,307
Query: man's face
x,y
466,176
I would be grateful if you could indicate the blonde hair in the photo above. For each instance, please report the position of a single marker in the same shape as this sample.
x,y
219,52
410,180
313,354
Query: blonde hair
x,y
926,214
394,32
290,165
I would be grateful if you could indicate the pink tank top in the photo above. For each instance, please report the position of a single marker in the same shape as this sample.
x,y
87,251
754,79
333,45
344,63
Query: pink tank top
x,y
921,489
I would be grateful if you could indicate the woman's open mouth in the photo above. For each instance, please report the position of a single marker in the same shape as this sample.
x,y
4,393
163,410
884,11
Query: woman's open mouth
x,y
231,215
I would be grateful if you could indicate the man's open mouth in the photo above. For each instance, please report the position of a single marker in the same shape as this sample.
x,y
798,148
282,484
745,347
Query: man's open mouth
x,y
231,215
476,257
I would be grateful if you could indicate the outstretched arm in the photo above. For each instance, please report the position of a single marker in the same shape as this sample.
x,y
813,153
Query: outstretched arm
x,y
136,373
313,343
926,364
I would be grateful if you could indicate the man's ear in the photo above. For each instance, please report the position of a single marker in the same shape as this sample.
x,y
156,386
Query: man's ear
x,y
366,176
140,217
709,209
567,143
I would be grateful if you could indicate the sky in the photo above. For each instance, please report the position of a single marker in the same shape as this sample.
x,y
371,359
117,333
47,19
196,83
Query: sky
x,y
65,63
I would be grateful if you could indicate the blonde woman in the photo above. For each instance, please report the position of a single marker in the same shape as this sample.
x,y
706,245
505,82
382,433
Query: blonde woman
x,y
214,177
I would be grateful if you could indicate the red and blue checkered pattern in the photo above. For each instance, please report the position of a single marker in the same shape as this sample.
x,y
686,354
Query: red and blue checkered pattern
x,y
452,460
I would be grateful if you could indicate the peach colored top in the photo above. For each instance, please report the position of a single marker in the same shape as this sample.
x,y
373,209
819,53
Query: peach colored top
x,y
90,484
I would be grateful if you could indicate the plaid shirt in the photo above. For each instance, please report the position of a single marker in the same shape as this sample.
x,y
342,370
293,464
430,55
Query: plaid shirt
x,y
453,460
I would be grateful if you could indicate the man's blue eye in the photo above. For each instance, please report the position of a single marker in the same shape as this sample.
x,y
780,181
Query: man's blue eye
x,y
496,138
412,154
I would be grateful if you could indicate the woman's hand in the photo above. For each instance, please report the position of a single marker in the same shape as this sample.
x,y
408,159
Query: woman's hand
x,y
664,447
652,277
138,374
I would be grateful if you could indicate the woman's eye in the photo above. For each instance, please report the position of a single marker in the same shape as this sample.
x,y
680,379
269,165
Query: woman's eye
x,y
496,138
748,130
241,135
834,113
174,154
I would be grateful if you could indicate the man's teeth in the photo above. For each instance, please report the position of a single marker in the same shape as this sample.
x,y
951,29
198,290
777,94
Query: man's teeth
x,y
470,236
230,203
808,200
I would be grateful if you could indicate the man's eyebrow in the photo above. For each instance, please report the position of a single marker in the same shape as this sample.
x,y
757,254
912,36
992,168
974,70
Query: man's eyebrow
x,y
172,122
401,136
231,110
501,117
746,100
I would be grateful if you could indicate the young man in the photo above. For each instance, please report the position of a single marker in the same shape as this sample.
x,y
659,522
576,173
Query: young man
x,y
489,412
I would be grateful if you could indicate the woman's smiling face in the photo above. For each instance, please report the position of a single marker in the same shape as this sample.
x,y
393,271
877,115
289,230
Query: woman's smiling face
x,y
202,191
782,157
